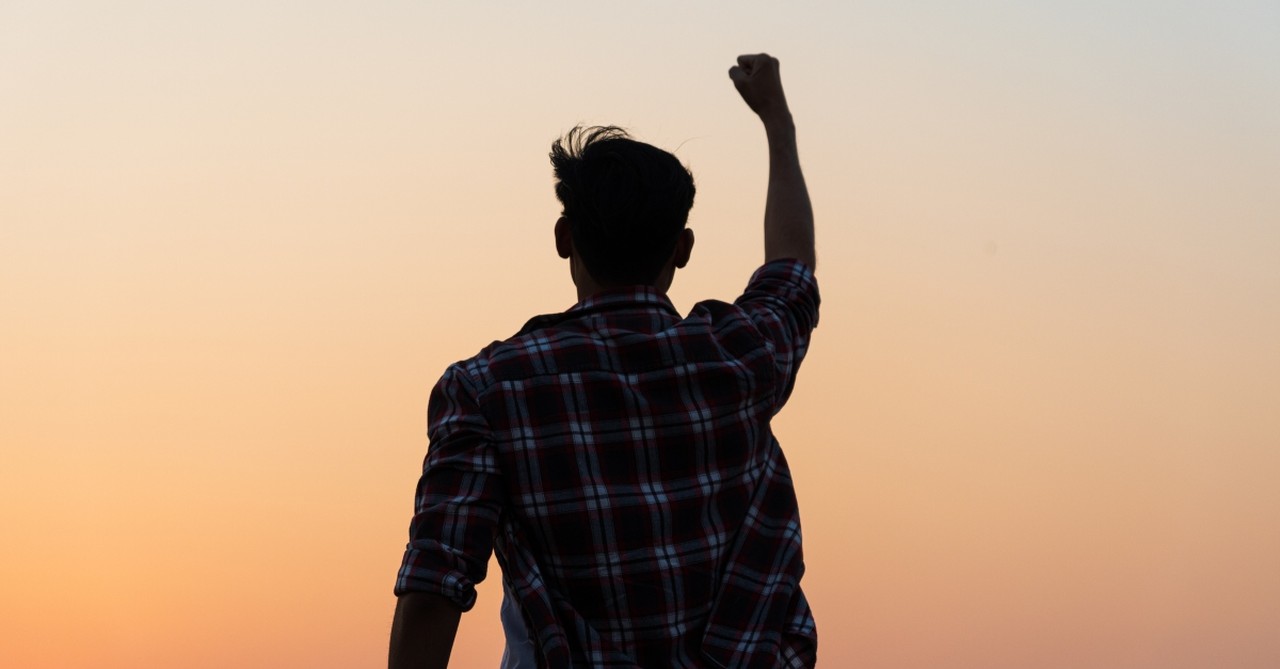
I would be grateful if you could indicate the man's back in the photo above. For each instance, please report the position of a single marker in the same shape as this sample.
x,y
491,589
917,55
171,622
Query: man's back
x,y
645,512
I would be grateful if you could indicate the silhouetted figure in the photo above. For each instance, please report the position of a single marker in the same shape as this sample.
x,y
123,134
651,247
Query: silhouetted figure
x,y
618,456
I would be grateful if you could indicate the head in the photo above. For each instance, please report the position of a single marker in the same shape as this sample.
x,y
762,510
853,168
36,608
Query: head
x,y
625,205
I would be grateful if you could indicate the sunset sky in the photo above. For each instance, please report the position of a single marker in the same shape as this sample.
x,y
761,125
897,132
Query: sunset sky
x,y
1039,426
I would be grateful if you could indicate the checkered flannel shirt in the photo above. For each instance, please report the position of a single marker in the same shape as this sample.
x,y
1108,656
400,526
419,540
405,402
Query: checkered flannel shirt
x,y
619,459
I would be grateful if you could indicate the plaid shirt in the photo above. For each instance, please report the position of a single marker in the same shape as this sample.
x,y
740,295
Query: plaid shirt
x,y
620,460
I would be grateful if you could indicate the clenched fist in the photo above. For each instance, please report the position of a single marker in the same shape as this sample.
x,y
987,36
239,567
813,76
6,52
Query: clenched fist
x,y
757,80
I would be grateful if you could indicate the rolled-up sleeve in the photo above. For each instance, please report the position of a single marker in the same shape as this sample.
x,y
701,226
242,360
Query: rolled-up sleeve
x,y
782,301
458,499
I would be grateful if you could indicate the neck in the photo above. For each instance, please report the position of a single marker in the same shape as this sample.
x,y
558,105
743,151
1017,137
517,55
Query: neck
x,y
588,286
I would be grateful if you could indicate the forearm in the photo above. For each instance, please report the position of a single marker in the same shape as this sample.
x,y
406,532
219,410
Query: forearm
x,y
422,632
788,214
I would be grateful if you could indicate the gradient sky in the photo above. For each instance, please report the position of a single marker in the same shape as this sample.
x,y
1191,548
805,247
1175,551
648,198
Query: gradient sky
x,y
1039,425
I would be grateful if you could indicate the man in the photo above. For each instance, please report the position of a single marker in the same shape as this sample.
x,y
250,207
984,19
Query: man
x,y
619,457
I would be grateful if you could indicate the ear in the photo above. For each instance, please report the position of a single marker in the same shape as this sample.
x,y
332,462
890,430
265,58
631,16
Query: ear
x,y
684,247
564,237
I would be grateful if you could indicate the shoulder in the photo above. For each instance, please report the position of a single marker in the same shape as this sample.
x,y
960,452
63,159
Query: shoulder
x,y
786,290
777,285
529,353
782,278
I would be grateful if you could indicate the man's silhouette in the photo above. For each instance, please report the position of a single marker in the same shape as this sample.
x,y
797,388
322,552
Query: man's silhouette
x,y
619,457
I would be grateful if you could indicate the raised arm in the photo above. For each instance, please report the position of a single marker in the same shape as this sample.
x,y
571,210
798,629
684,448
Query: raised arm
x,y
788,215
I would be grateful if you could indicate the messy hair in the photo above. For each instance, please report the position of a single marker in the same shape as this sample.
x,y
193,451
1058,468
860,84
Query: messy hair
x,y
626,202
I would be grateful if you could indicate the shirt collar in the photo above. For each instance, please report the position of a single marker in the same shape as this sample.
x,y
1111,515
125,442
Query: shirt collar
x,y
639,297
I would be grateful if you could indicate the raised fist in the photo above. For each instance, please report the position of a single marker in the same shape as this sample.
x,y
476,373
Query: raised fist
x,y
758,82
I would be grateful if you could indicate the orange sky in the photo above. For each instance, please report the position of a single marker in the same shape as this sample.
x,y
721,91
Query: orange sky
x,y
239,241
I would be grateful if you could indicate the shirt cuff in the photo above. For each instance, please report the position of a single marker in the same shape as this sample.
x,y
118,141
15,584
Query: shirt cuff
x,y
418,574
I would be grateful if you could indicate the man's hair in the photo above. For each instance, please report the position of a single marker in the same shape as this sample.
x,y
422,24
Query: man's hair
x,y
626,202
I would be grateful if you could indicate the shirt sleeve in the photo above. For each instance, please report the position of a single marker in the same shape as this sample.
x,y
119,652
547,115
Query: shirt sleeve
x,y
458,499
782,301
